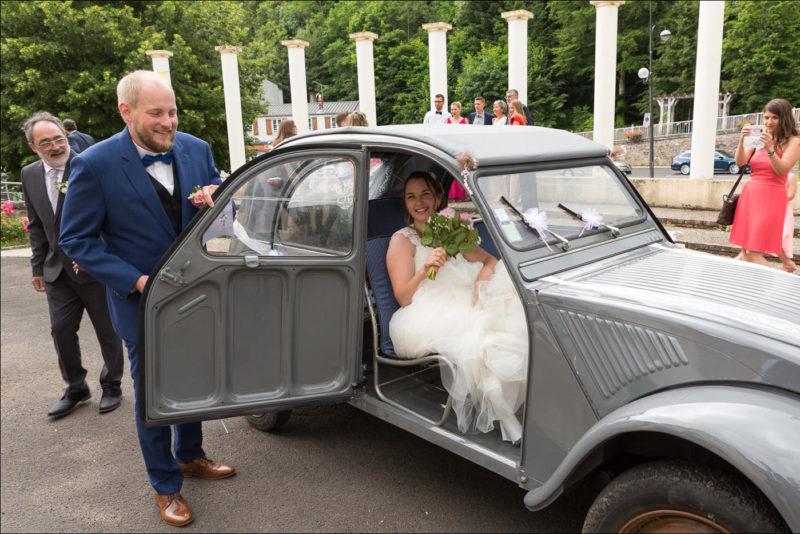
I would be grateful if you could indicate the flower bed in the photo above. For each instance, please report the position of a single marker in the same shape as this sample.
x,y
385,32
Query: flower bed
x,y
634,136
13,230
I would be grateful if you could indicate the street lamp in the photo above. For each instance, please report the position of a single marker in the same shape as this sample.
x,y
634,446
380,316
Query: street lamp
x,y
665,34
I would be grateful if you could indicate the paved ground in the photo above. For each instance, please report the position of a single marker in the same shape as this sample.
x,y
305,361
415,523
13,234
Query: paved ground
x,y
332,469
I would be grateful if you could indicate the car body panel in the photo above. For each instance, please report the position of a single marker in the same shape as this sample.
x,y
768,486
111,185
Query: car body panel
x,y
722,162
756,431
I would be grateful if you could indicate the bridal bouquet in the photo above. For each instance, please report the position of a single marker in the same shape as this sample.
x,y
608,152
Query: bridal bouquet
x,y
452,231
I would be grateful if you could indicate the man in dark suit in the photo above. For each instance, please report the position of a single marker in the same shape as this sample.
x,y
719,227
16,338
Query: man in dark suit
x,y
69,290
511,95
127,202
78,141
479,116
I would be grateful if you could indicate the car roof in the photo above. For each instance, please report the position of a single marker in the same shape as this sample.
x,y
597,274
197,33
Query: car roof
x,y
496,146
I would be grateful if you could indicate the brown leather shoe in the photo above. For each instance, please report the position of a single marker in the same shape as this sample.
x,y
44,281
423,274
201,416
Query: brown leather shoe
x,y
174,509
204,468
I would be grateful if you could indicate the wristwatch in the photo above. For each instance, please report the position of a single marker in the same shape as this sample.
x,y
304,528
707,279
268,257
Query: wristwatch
x,y
769,154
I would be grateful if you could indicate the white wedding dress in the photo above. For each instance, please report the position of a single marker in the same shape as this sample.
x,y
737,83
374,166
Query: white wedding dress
x,y
487,342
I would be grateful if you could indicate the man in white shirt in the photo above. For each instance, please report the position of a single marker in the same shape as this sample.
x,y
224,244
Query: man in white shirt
x,y
439,115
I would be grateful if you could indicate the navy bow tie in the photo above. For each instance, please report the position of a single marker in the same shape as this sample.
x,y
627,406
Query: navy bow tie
x,y
438,112
166,157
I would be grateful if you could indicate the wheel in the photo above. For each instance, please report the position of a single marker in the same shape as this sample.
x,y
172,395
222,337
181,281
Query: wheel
x,y
733,169
679,496
685,168
269,421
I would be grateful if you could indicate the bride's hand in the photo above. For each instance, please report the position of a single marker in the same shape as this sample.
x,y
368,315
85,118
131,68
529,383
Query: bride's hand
x,y
436,258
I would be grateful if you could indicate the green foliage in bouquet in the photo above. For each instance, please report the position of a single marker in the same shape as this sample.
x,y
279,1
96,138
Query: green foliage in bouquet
x,y
451,231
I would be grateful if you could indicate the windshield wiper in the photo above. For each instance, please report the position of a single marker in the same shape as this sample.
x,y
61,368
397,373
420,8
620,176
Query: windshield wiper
x,y
564,241
613,229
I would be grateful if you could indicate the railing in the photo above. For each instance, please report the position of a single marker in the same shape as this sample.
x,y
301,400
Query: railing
x,y
672,129
11,191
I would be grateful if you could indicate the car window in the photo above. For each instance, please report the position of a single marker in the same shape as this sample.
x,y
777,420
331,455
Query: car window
x,y
724,154
583,190
298,208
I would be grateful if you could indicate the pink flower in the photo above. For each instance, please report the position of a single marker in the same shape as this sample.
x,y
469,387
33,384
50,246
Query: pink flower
x,y
25,223
467,218
8,207
448,212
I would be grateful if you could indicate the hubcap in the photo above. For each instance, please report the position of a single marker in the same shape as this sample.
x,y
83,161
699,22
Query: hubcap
x,y
671,521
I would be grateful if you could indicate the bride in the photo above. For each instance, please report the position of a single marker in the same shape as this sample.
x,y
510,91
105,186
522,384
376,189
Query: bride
x,y
470,314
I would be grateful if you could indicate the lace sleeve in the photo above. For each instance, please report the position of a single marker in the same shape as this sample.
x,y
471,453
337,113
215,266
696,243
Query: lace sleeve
x,y
410,234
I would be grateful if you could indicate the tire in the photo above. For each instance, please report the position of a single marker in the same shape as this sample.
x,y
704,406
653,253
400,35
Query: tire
x,y
269,421
680,496
733,169
685,168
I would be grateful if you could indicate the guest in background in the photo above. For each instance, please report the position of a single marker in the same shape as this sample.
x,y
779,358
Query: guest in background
x,y
342,119
499,109
438,115
516,115
761,210
511,96
358,118
78,141
286,129
788,226
455,110
479,116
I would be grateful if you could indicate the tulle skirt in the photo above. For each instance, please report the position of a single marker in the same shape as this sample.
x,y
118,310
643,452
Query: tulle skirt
x,y
487,342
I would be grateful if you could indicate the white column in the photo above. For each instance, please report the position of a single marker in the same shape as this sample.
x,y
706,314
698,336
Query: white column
x,y
233,103
437,58
518,51
297,82
366,74
706,88
605,69
161,63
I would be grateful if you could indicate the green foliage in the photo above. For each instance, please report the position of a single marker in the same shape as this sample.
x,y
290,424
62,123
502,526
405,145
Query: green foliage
x,y
66,57
451,231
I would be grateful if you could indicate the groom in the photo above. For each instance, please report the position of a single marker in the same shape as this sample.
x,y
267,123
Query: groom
x,y
127,203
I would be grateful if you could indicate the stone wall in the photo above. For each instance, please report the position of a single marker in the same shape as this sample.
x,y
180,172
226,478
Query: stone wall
x,y
666,149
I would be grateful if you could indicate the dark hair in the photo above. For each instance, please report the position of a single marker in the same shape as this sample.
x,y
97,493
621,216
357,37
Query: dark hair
x,y
69,125
787,127
513,92
434,186
479,98
439,95
285,131
37,117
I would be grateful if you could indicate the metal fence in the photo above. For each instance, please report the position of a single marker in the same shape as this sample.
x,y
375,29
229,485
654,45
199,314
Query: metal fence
x,y
11,191
671,129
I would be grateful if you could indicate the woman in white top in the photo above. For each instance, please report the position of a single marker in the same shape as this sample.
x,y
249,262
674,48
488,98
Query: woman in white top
x,y
499,110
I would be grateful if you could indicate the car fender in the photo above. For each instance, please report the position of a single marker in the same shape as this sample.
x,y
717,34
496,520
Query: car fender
x,y
756,431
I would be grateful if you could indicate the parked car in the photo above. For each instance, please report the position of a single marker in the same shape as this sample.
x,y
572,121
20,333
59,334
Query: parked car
x,y
668,380
623,166
723,162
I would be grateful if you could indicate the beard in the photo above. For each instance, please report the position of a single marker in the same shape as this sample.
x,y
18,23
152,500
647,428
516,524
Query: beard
x,y
56,158
150,142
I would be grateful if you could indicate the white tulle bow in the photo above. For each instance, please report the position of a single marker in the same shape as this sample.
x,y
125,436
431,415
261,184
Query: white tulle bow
x,y
538,221
591,220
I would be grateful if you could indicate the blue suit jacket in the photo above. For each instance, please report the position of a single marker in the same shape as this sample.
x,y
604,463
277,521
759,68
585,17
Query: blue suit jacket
x,y
113,223
487,118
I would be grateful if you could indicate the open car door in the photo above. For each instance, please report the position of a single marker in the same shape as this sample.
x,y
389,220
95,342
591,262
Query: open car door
x,y
259,306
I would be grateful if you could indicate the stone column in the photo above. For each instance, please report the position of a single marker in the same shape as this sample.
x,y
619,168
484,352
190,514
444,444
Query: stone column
x,y
605,69
366,74
233,103
161,63
518,51
706,88
297,82
437,59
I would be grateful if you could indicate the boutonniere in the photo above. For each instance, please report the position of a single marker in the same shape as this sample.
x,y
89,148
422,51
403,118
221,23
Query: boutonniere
x,y
61,186
196,198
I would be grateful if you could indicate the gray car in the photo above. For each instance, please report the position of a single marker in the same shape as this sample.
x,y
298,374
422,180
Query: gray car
x,y
666,379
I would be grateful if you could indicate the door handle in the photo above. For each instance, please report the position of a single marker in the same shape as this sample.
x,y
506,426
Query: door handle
x,y
171,277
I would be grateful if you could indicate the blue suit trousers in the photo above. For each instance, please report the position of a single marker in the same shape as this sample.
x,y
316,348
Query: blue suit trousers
x,y
156,443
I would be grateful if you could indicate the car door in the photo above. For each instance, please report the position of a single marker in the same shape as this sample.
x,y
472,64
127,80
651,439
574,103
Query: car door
x,y
259,305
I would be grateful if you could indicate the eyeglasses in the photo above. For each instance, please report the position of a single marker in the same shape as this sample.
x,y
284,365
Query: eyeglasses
x,y
439,101
48,144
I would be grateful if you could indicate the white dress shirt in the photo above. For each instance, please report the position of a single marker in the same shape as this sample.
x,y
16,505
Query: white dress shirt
x,y
436,117
158,169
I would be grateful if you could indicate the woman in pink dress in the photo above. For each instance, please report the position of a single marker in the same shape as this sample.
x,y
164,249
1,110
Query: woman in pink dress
x,y
760,213
456,192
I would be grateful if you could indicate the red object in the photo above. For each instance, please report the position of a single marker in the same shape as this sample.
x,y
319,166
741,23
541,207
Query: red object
x,y
456,192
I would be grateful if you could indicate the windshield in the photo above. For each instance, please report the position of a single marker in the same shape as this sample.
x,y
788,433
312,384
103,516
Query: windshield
x,y
592,191
725,154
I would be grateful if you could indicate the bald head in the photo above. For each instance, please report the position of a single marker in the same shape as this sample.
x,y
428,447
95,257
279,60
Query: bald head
x,y
129,88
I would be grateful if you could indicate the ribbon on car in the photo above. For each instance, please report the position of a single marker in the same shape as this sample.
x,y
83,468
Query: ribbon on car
x,y
591,220
538,221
